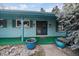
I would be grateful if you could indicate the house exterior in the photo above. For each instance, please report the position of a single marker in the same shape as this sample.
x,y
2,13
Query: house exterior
x,y
28,24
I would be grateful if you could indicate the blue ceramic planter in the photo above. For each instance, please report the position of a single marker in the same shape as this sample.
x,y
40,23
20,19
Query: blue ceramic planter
x,y
60,44
31,43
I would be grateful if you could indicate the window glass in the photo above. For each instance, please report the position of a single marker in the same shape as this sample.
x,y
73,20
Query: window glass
x,y
18,23
26,23
3,23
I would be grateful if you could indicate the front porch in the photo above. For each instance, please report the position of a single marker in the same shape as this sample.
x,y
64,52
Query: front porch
x,y
15,41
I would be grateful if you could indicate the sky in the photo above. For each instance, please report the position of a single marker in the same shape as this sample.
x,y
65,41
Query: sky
x,y
30,6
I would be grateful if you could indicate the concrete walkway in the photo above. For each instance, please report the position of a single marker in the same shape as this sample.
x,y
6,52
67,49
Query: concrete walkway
x,y
52,50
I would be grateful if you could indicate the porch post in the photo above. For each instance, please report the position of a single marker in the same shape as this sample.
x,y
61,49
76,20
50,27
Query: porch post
x,y
22,29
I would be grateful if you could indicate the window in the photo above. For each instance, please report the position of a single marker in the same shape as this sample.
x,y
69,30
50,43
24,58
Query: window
x,y
3,23
17,23
26,23
59,27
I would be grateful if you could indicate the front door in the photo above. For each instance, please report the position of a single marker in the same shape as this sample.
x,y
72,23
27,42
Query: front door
x,y
41,27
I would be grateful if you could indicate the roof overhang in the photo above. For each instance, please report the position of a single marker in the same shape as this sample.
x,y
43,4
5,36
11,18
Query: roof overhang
x,y
13,14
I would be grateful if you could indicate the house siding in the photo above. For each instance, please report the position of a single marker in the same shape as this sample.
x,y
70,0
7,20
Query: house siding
x,y
29,32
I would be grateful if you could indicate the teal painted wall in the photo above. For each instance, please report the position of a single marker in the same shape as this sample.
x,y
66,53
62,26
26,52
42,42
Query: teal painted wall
x,y
29,32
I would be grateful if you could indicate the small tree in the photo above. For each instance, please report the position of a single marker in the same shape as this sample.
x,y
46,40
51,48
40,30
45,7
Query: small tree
x,y
56,10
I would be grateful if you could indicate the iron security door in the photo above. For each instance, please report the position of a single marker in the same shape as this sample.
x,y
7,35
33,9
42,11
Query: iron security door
x,y
41,27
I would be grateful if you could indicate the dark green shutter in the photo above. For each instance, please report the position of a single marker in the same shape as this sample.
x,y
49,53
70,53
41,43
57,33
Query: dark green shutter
x,y
31,23
5,23
13,23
